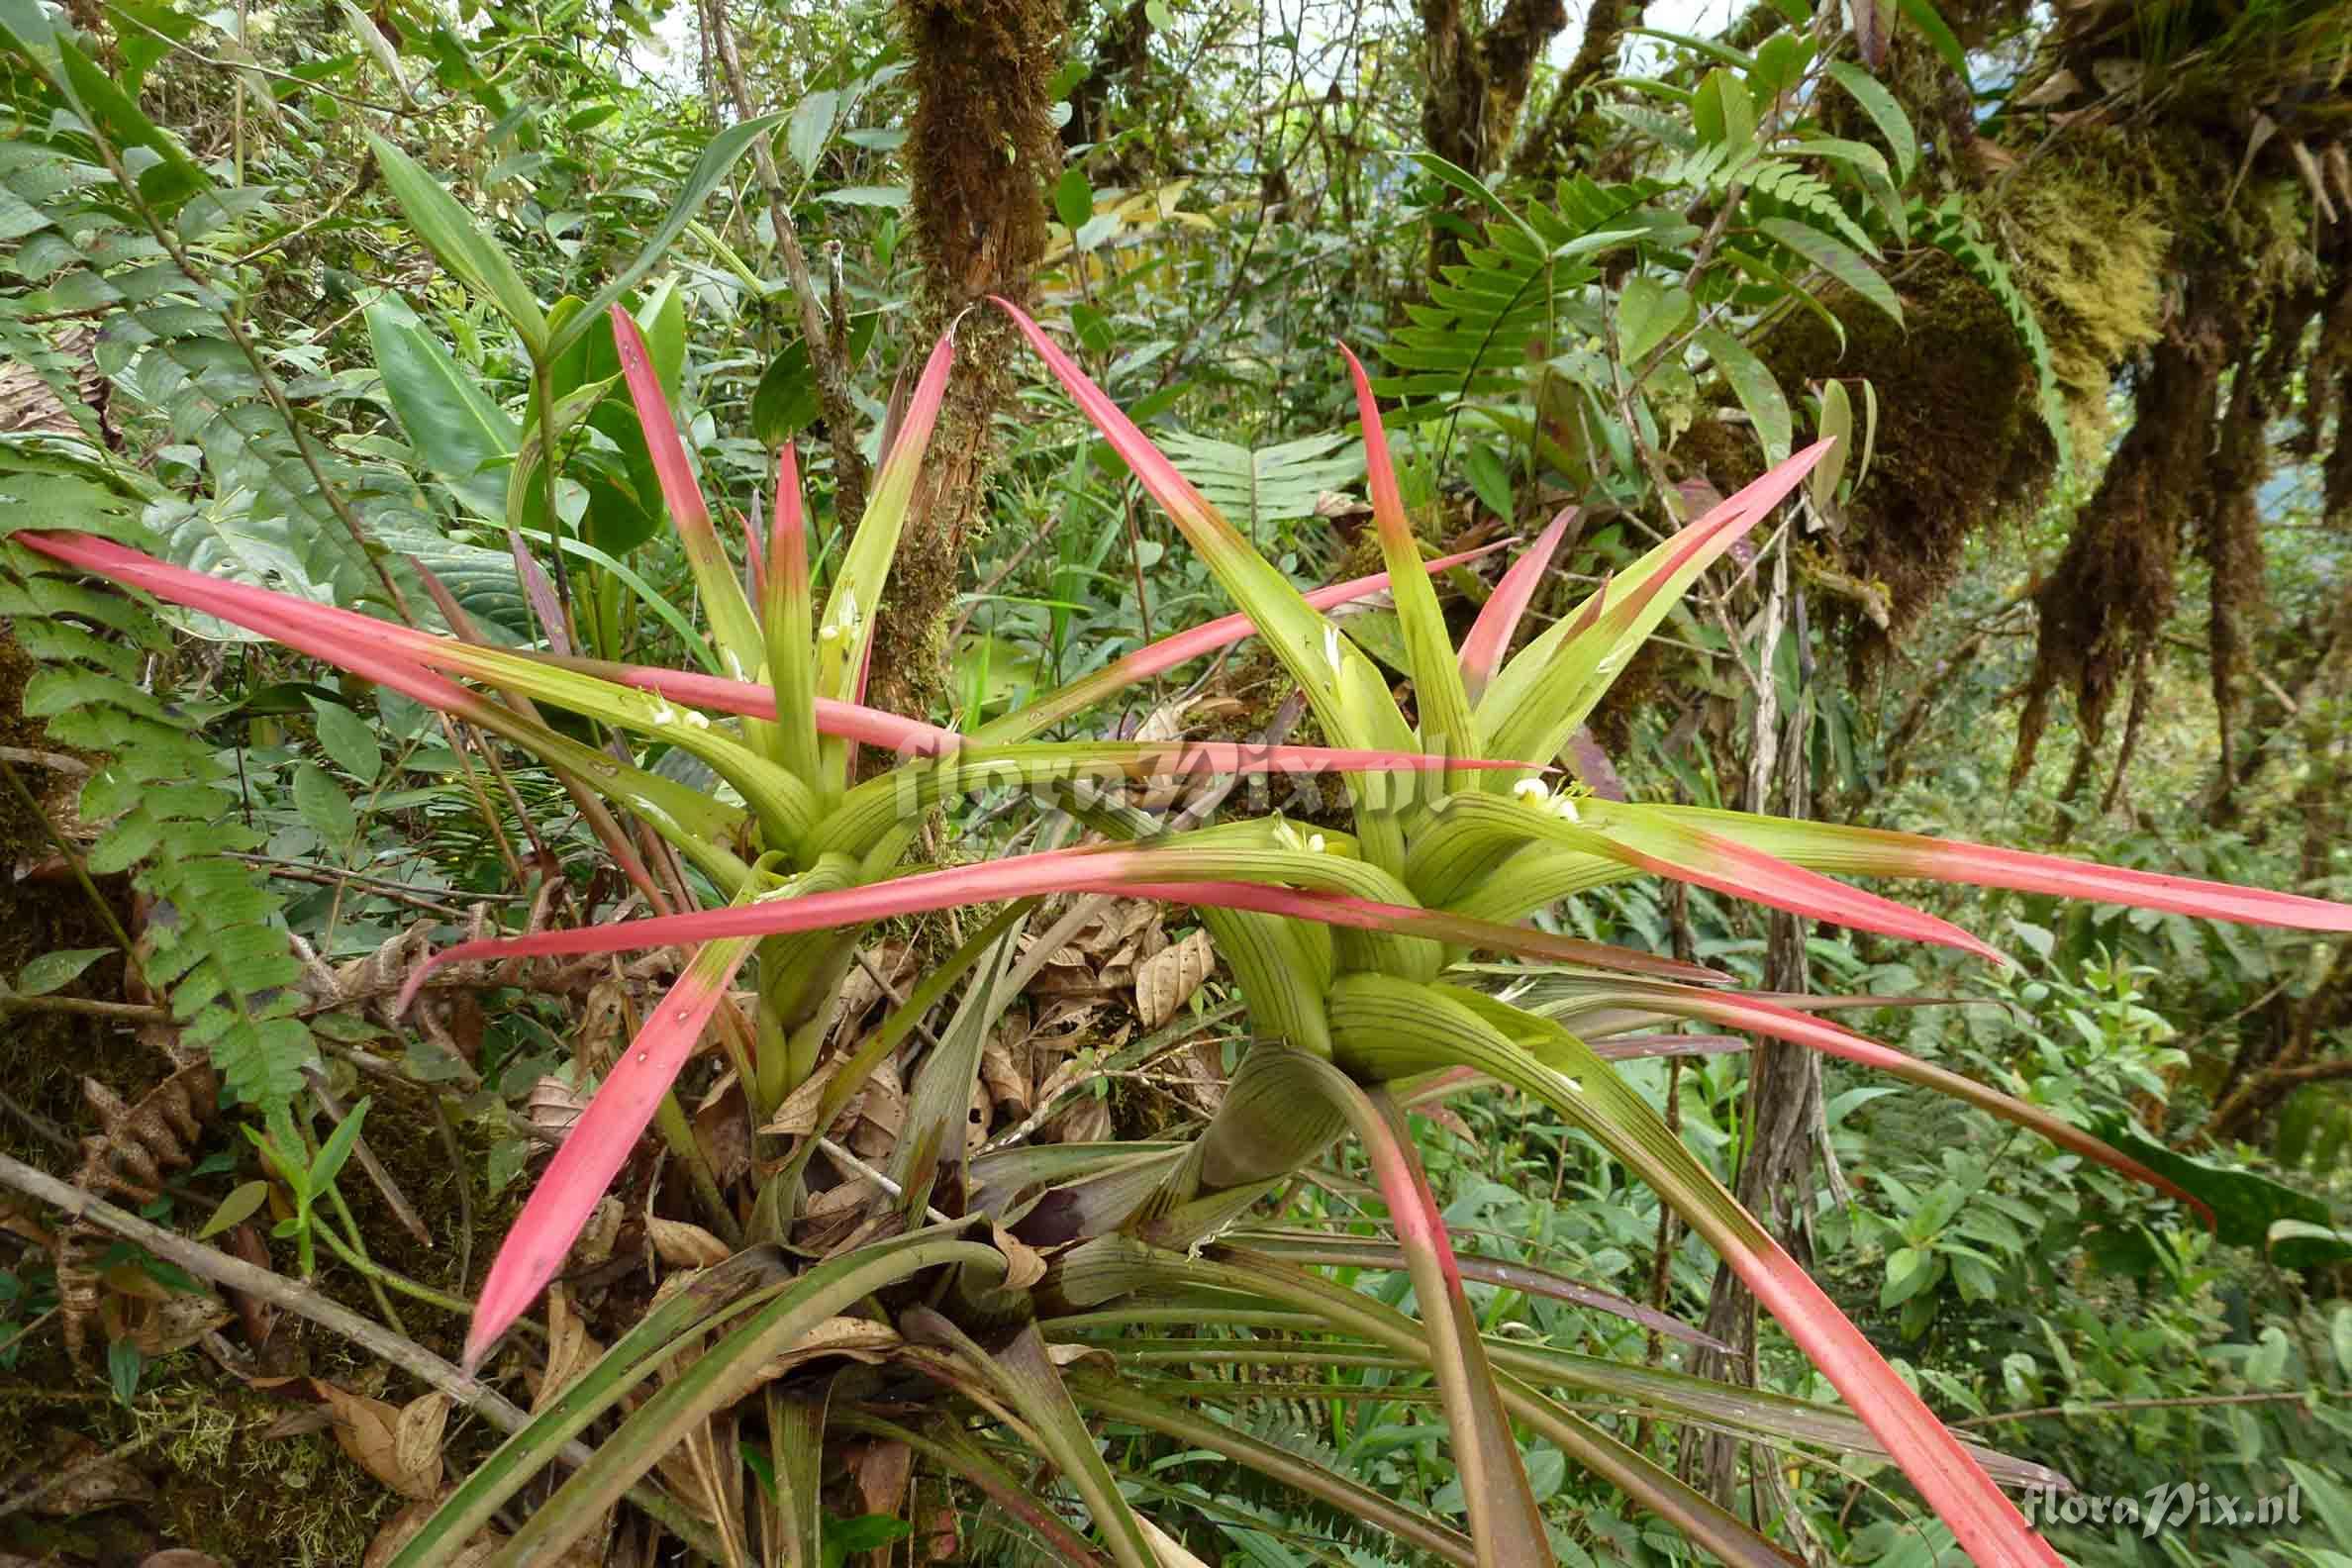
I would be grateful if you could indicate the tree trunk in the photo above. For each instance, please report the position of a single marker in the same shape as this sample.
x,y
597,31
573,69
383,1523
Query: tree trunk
x,y
983,151
1476,86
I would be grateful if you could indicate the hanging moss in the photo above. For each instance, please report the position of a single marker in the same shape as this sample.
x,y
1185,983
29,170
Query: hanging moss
x,y
2093,250
1959,440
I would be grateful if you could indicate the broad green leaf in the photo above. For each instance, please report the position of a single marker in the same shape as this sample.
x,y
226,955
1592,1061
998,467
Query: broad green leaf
x,y
325,805
238,1206
52,972
812,126
1757,389
1073,198
460,244
349,739
1650,313
1837,425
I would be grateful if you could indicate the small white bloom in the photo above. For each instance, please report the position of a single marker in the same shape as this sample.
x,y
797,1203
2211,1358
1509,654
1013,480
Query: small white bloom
x,y
1315,843
827,633
1565,809
1332,646
696,720
1532,791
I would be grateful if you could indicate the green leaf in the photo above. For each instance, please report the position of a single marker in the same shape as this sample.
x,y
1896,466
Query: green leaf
x,y
812,121
1929,20
709,169
371,39
325,805
123,1364
1884,112
1073,198
1837,425
459,244
349,739
1648,313
1758,392
337,1149
1834,258
1725,112
866,196
51,970
2301,1244
235,1209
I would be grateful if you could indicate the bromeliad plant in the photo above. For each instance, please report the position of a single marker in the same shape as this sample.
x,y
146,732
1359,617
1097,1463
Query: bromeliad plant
x,y
1341,943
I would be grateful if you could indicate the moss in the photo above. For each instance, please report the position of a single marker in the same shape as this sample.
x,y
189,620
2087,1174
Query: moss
x,y
1959,441
2094,250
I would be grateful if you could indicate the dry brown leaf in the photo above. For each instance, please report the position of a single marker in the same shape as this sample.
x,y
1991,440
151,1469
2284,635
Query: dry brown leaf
x,y
1166,981
1166,721
722,1127
402,1527
417,1437
91,1480
368,1429
1006,1084
682,1244
599,1233
1087,1119
881,1470
1025,1265
158,1327
1170,1551
797,1116
553,1106
571,1349
856,1338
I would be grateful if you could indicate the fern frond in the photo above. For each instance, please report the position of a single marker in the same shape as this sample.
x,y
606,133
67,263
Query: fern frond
x,y
1259,486
215,938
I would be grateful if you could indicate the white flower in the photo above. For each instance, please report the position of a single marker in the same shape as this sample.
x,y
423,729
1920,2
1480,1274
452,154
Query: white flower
x,y
1565,809
1533,791
1315,843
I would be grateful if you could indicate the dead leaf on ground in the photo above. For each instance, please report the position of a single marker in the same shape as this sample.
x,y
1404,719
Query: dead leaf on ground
x,y
91,1480
417,1436
597,1236
572,1350
722,1127
368,1429
856,1339
882,1469
1168,980
158,1327
685,1246
797,1116
553,1106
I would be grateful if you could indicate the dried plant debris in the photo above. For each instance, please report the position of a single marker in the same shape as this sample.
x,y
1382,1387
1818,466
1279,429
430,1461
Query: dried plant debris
x,y
126,1158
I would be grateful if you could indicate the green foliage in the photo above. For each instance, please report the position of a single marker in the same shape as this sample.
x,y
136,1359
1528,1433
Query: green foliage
x,y
215,940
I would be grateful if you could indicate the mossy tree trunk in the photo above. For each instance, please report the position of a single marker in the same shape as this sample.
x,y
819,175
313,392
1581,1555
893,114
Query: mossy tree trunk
x,y
982,151
1476,84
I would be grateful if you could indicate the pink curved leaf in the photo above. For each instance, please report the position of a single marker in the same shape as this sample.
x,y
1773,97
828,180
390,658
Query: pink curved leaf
x,y
1499,617
598,1146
